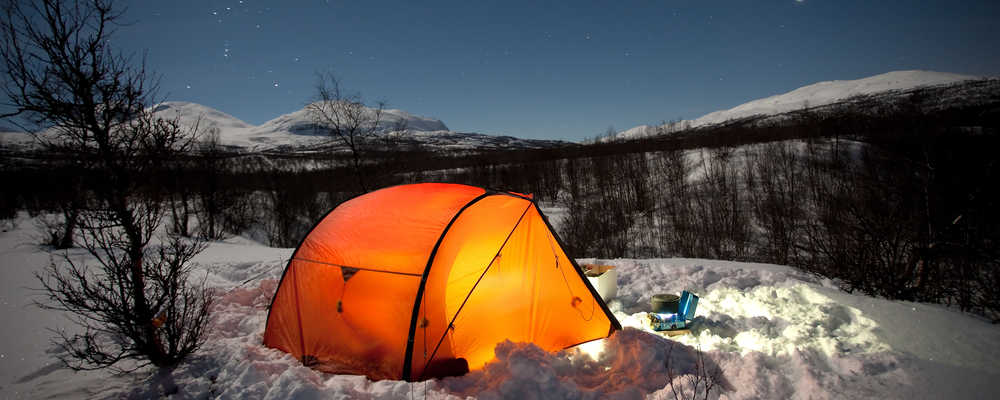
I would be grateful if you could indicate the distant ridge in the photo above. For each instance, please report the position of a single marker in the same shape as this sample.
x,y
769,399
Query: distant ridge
x,y
295,132
817,94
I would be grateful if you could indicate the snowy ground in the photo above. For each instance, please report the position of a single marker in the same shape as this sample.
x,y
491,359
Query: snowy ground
x,y
773,332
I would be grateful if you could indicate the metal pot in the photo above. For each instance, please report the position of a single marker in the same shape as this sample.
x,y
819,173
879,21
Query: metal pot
x,y
664,303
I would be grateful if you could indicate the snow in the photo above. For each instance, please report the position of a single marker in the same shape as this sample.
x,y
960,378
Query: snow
x,y
192,113
15,140
295,132
638,132
300,122
292,129
817,94
772,331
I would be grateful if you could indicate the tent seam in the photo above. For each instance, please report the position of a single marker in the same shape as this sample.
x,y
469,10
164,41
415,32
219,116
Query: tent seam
x,y
408,356
357,268
473,289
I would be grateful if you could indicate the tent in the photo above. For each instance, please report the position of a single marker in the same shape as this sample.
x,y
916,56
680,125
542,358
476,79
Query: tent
x,y
410,281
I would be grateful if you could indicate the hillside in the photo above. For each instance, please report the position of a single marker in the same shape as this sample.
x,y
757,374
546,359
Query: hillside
x,y
812,96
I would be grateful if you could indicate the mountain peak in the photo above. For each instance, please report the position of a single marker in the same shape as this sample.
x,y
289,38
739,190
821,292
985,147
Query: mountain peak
x,y
292,129
193,113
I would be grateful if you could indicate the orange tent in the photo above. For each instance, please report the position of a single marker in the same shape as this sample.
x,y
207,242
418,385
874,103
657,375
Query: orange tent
x,y
403,282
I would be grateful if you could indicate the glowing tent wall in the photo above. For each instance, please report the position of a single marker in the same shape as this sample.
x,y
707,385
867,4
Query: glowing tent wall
x,y
395,280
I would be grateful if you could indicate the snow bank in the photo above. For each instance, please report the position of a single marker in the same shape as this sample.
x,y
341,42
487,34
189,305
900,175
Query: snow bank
x,y
780,333
632,364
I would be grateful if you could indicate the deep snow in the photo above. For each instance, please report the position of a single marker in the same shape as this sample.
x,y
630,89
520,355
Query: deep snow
x,y
774,332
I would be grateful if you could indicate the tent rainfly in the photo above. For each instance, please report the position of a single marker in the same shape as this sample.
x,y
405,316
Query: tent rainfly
x,y
424,280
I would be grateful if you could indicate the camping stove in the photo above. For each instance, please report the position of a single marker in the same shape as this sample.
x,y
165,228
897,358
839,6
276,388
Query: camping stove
x,y
675,321
666,322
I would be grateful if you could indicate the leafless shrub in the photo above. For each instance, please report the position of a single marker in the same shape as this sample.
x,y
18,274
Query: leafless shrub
x,y
102,302
344,117
699,383
138,302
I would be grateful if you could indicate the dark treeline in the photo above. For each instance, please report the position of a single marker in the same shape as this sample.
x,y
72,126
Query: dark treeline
x,y
886,197
896,203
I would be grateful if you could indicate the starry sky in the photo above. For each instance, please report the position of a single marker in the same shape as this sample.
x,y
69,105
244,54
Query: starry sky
x,y
539,69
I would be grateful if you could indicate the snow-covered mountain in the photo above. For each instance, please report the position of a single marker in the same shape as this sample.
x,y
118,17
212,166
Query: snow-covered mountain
x,y
299,122
204,116
639,131
815,95
289,131
295,131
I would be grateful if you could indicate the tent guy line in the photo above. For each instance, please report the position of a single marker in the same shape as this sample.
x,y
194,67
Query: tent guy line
x,y
287,260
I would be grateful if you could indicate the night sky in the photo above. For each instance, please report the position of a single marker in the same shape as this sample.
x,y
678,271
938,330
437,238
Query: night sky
x,y
561,70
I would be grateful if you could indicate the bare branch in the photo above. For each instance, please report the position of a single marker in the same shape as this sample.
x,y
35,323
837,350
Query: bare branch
x,y
136,302
345,118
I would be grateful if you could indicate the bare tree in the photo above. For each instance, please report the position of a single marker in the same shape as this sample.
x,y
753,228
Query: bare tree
x,y
344,117
63,76
213,198
58,231
719,206
610,134
396,133
678,228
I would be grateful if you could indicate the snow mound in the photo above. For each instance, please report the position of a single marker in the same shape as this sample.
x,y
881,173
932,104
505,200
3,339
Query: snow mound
x,y
633,364
747,308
